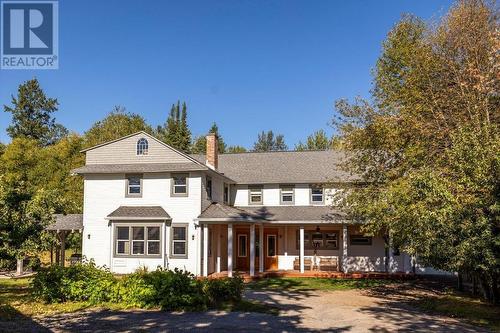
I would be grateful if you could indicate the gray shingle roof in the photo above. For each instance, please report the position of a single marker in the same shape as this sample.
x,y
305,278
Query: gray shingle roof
x,y
284,167
139,168
67,222
145,212
272,213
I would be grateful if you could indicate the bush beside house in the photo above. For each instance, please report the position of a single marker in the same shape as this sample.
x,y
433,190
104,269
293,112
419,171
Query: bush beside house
x,y
166,289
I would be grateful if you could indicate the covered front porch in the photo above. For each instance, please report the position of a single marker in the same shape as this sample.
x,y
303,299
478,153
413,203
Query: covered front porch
x,y
290,238
316,249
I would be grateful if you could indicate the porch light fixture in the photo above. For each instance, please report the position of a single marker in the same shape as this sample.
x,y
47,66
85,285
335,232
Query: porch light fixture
x,y
317,228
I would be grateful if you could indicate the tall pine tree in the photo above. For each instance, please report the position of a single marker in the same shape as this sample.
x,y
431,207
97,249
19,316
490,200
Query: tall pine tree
x,y
32,115
175,132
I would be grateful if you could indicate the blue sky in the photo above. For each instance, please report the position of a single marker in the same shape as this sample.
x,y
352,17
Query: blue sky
x,y
247,65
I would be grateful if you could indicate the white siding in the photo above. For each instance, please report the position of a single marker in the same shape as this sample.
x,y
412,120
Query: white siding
x,y
124,152
271,195
104,193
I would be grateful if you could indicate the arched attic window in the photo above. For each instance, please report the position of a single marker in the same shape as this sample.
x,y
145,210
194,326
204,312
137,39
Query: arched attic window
x,y
142,146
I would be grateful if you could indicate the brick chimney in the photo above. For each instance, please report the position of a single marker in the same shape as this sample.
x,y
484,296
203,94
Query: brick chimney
x,y
212,151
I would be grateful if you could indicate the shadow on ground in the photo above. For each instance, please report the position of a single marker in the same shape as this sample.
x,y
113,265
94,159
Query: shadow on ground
x,y
393,305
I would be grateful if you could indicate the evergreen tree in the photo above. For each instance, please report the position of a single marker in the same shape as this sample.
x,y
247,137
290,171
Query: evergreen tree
x,y
175,132
266,141
235,149
32,115
200,143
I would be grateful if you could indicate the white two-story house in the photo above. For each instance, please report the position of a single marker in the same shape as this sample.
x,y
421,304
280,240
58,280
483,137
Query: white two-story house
x,y
147,204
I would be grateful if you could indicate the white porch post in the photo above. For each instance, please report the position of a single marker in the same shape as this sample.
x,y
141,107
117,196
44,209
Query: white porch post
x,y
217,264
261,248
205,249
252,250
230,250
286,241
301,253
344,248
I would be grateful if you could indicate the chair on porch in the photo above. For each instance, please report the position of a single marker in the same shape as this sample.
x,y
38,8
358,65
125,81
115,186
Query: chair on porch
x,y
328,264
307,264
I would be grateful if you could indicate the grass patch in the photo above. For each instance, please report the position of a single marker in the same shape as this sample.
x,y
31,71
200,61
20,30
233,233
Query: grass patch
x,y
16,302
315,284
472,310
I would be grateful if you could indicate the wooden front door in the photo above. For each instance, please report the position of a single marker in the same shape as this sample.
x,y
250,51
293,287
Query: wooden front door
x,y
271,249
242,250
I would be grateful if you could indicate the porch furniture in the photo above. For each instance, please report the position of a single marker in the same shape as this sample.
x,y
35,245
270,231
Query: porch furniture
x,y
328,264
75,258
308,265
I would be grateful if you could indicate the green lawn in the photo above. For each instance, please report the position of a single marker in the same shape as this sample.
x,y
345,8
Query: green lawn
x,y
16,301
315,284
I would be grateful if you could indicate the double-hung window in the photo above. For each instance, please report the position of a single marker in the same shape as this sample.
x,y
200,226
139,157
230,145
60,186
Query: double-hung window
x,y
209,188
255,195
134,186
122,240
179,185
287,195
179,241
153,242
317,195
226,193
138,240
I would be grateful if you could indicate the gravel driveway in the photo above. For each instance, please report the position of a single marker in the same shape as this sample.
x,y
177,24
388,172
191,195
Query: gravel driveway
x,y
382,310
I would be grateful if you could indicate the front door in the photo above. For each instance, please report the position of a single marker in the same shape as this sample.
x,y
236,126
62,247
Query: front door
x,y
271,249
242,250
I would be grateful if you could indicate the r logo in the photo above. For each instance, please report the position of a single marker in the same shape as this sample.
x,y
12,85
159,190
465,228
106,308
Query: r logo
x,y
27,28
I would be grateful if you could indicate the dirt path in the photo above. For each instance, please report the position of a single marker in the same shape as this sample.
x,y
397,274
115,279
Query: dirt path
x,y
382,310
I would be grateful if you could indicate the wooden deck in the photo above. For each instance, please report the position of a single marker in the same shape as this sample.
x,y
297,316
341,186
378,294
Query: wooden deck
x,y
316,274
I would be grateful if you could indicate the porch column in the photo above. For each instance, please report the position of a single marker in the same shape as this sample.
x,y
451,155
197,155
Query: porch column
x,y
230,250
286,241
301,253
344,248
261,248
205,249
252,250
217,264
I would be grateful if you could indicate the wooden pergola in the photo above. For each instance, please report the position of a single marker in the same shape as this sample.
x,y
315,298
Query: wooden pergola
x,y
64,225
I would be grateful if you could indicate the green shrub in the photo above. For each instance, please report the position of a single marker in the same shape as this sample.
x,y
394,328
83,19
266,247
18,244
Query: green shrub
x,y
167,289
80,282
223,290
